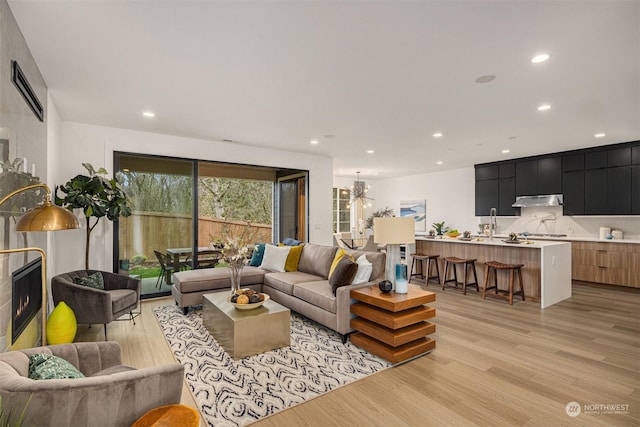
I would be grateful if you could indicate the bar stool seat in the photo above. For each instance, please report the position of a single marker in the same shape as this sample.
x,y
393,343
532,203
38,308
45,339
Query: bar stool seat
x,y
469,265
425,273
492,268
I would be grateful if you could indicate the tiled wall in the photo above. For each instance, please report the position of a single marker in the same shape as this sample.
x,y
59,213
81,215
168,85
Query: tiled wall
x,y
27,137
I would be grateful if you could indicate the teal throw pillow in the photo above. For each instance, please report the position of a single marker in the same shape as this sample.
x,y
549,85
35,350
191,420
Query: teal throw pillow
x,y
44,366
93,281
258,254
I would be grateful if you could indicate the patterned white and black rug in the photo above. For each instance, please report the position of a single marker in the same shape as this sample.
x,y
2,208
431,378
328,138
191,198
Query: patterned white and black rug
x,y
237,393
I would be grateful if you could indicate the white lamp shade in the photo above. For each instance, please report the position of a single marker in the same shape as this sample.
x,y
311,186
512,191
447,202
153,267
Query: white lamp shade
x,y
394,230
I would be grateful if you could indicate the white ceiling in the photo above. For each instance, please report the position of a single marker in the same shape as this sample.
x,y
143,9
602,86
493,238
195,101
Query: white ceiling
x,y
381,75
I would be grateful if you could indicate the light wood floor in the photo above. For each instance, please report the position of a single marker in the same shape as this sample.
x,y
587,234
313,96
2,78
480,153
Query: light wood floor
x,y
494,365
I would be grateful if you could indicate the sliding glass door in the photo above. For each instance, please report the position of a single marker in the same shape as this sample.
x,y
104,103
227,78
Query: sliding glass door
x,y
157,238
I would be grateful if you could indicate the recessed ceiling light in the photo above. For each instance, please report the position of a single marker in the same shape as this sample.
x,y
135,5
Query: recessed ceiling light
x,y
506,151
486,79
370,151
600,135
437,134
540,58
439,162
313,141
544,107
148,114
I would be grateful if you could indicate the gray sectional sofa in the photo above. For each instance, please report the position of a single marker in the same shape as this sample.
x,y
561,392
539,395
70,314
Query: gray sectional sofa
x,y
306,291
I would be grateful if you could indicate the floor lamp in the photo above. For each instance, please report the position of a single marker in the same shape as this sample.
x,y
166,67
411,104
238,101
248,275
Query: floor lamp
x,y
394,231
46,217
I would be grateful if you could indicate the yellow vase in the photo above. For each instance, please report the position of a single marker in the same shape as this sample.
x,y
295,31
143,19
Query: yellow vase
x,y
61,325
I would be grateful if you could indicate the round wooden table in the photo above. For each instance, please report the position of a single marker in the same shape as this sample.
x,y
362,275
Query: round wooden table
x,y
170,415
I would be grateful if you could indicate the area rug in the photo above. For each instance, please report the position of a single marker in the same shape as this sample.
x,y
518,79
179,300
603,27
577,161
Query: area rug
x,y
237,393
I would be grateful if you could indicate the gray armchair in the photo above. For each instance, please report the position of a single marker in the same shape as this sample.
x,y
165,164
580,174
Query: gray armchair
x,y
121,295
111,395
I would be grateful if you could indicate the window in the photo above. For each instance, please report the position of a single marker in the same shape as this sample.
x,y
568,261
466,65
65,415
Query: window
x,y
341,211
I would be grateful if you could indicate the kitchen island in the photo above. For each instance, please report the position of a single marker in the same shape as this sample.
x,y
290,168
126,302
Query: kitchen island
x,y
546,274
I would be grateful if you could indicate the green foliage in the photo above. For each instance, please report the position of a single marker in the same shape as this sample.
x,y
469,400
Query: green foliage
x,y
236,199
12,179
440,228
380,213
97,196
138,260
6,418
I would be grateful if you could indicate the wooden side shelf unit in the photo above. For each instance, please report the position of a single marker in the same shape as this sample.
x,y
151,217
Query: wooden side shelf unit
x,y
393,326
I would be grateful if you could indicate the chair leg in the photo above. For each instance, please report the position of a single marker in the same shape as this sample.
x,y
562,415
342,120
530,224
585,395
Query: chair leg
x,y
486,282
132,318
521,287
511,276
105,332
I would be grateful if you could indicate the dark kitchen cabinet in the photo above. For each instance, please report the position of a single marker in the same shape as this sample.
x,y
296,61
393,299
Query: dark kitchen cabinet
x,y
527,178
550,175
635,190
573,191
506,197
574,162
635,155
619,190
619,157
595,159
484,172
507,170
486,196
595,192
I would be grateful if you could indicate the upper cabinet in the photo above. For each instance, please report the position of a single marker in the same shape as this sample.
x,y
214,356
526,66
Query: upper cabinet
x,y
596,181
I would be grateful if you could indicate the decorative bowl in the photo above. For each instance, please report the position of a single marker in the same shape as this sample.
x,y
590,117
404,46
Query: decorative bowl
x,y
249,306
453,235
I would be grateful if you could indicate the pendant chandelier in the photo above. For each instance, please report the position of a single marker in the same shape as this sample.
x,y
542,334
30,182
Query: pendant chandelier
x,y
359,192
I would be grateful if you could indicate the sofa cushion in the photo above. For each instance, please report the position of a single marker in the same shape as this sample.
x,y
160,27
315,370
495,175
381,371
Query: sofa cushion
x,y
317,293
284,282
365,268
292,242
316,259
275,258
258,255
95,281
211,279
122,298
113,370
293,259
43,366
343,274
336,259
377,259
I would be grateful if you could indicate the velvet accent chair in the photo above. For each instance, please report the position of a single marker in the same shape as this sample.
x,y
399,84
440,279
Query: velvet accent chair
x,y
121,295
111,395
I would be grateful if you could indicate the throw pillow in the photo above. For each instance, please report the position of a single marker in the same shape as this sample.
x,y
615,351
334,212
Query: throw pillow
x,y
365,268
343,274
341,253
44,366
293,258
275,257
258,254
292,242
93,281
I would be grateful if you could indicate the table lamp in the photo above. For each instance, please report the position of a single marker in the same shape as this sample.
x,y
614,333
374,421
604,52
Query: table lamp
x,y
47,217
394,231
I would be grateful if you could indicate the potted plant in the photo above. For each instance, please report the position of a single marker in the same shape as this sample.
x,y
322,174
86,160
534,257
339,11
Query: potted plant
x,y
97,196
440,228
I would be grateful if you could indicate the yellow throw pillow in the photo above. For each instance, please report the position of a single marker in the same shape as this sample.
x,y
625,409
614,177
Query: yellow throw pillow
x,y
341,252
293,258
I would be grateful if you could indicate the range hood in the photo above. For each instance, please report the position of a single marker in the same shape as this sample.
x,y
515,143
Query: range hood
x,y
532,201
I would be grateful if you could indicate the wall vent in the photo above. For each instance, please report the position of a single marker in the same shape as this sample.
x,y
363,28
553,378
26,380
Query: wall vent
x,y
20,80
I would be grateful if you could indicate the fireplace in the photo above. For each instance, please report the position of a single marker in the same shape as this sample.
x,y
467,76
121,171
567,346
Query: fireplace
x,y
26,300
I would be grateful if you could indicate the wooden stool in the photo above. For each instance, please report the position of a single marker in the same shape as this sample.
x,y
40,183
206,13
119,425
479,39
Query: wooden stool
x,y
493,267
428,258
469,265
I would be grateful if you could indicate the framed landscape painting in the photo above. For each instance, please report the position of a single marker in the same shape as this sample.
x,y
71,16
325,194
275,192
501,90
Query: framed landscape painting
x,y
416,209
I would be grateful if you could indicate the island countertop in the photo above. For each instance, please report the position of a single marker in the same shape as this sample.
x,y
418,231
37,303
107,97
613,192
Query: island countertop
x,y
546,273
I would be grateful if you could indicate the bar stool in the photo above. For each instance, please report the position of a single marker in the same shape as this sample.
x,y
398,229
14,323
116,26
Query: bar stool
x,y
425,274
493,267
469,265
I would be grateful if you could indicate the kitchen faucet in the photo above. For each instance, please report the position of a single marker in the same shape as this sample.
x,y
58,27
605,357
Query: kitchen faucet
x,y
493,222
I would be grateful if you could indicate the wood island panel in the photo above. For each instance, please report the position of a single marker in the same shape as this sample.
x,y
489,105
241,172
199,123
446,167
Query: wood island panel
x,y
530,257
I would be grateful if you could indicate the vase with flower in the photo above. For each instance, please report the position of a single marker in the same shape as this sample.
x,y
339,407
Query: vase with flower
x,y
235,255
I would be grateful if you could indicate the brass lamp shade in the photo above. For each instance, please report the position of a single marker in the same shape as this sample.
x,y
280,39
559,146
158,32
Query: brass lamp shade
x,y
47,217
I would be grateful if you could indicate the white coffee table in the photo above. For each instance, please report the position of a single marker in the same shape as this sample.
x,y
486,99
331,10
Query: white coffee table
x,y
244,333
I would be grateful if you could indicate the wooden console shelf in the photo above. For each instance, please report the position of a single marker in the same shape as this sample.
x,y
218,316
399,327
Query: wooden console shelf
x,y
393,326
